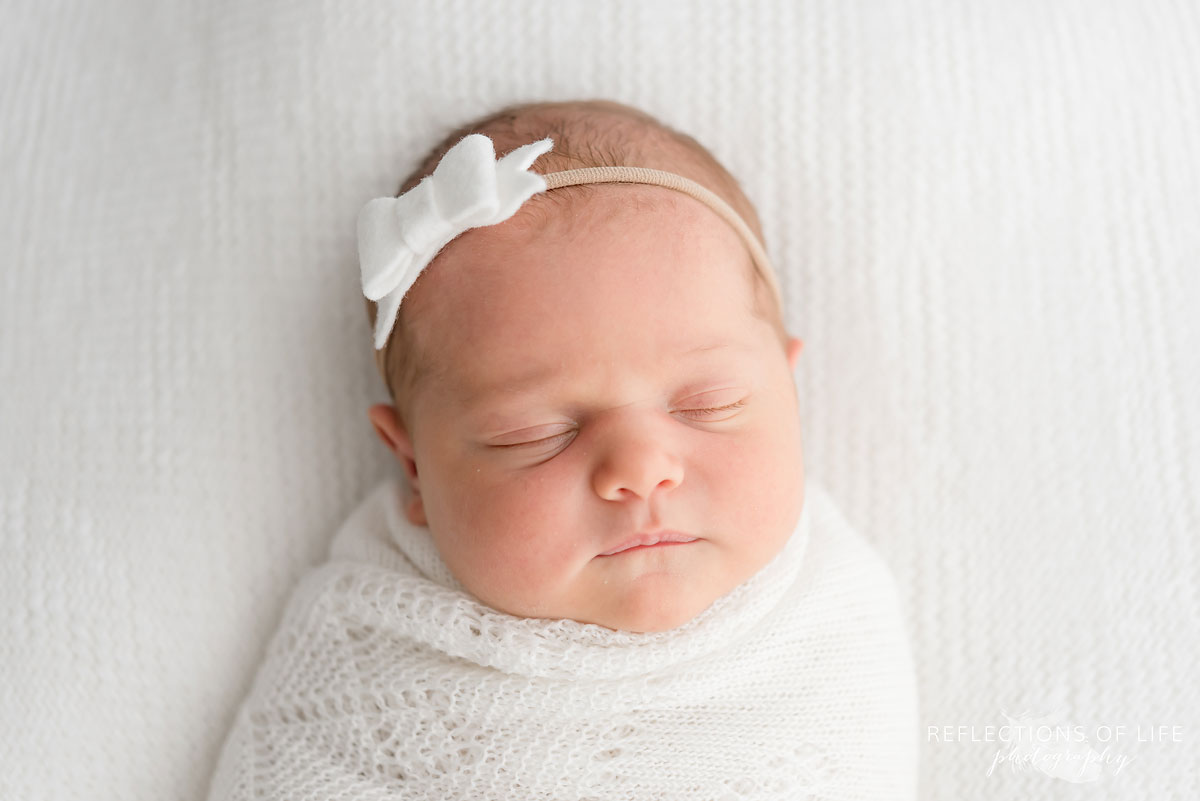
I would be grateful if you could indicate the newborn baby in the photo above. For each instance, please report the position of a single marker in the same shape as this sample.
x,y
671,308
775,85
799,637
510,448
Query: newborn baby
x,y
602,576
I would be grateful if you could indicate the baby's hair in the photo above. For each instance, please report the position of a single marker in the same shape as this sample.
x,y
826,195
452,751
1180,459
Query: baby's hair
x,y
588,133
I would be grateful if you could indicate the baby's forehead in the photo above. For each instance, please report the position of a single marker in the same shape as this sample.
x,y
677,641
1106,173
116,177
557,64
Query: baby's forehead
x,y
631,254
467,385
632,352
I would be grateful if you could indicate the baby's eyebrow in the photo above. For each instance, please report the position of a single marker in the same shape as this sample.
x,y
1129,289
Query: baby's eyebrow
x,y
533,379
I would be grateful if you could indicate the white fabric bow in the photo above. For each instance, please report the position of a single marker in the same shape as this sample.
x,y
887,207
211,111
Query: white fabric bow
x,y
399,236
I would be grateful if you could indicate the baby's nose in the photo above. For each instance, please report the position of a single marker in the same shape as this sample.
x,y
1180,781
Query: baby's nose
x,y
635,460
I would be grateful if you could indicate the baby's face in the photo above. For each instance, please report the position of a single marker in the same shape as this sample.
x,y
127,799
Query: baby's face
x,y
602,381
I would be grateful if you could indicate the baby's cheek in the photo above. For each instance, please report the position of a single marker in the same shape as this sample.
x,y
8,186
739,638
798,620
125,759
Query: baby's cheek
x,y
520,544
786,477
768,473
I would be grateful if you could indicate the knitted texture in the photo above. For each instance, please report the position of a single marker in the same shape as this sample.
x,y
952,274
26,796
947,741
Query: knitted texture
x,y
983,215
386,680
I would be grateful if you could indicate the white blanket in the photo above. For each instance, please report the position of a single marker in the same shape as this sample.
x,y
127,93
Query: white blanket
x,y
386,679
985,220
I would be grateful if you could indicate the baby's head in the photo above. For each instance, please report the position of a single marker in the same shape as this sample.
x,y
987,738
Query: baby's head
x,y
604,363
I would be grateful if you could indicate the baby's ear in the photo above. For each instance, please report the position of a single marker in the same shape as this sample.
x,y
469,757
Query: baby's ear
x,y
389,428
414,506
794,346
394,434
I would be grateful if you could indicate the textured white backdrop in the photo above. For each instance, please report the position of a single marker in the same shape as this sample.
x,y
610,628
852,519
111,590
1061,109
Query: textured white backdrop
x,y
985,215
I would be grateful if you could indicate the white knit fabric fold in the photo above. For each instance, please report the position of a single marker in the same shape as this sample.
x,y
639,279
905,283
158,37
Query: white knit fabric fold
x,y
387,680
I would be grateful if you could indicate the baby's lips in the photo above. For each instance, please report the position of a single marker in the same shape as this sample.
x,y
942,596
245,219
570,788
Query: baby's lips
x,y
650,538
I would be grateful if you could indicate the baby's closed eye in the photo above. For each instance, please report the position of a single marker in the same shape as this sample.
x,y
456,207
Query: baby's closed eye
x,y
717,410
546,435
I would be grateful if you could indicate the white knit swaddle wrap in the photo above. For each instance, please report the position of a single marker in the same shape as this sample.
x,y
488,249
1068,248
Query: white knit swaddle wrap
x,y
386,680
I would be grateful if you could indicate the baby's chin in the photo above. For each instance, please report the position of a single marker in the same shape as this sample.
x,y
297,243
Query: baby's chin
x,y
649,615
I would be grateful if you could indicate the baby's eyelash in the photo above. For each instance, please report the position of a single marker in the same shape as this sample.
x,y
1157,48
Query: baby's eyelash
x,y
536,441
731,406
549,439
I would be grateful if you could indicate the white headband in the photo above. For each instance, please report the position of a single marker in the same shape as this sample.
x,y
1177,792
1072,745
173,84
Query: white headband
x,y
399,236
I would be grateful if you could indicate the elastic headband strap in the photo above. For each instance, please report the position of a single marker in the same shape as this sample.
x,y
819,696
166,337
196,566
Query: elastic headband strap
x,y
642,175
398,237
